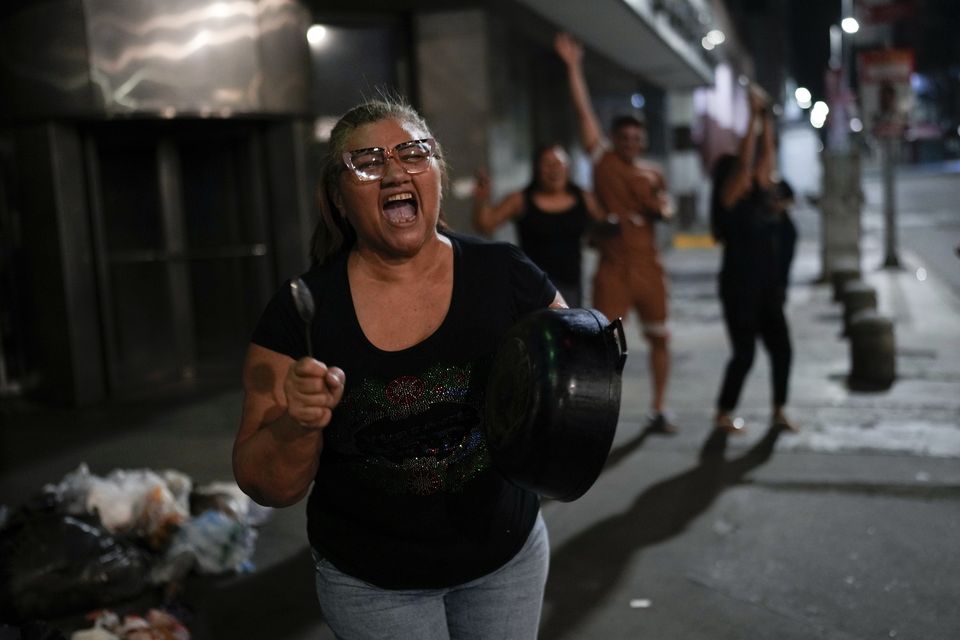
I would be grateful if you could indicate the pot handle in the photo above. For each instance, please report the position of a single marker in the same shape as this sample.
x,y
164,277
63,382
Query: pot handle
x,y
616,328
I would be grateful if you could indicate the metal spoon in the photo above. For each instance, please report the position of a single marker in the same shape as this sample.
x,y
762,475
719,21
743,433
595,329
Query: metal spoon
x,y
303,299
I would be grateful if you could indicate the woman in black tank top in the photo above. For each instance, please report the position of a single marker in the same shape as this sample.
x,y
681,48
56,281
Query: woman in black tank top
x,y
551,216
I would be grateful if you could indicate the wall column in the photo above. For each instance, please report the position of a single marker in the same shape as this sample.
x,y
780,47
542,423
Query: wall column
x,y
684,172
452,61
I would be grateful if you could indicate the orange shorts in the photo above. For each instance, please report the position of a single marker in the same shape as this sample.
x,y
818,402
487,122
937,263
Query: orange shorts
x,y
638,284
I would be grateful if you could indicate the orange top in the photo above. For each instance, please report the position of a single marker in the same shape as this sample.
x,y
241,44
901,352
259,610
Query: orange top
x,y
629,191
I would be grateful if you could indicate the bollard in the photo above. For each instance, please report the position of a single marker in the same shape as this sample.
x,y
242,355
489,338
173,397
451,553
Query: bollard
x,y
839,277
857,296
872,352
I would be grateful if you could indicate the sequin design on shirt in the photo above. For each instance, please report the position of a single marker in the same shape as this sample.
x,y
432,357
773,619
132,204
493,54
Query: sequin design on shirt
x,y
414,434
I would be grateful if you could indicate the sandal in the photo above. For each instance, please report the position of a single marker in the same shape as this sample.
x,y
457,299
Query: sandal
x,y
782,423
726,424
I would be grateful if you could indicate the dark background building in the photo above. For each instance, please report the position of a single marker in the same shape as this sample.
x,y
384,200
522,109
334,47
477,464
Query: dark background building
x,y
157,159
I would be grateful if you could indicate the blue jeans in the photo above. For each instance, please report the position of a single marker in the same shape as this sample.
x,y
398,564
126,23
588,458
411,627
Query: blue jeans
x,y
504,604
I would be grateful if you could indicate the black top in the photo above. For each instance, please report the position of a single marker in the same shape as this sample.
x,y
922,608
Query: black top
x,y
405,495
758,244
552,240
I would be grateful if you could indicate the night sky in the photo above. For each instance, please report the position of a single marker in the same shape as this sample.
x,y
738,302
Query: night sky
x,y
791,37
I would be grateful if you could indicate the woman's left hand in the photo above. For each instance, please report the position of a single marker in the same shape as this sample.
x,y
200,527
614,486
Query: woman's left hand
x,y
481,190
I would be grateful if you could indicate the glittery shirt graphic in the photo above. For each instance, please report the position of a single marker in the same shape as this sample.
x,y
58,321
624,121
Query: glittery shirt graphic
x,y
414,434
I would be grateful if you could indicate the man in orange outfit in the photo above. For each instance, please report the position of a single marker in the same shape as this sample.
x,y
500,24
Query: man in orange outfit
x,y
634,194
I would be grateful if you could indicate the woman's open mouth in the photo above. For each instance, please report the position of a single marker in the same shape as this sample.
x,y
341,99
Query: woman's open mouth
x,y
400,208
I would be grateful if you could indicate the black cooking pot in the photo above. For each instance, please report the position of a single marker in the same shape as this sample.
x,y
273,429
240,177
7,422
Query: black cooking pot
x,y
553,400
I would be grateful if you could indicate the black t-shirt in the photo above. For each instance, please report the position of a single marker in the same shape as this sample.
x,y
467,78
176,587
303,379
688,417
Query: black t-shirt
x,y
552,240
406,495
758,245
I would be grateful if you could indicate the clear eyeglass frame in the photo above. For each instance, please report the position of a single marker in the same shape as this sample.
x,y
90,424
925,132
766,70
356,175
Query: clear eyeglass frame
x,y
370,164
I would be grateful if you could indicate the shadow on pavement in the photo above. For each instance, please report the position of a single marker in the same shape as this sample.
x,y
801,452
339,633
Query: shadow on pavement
x,y
581,577
626,449
33,432
277,602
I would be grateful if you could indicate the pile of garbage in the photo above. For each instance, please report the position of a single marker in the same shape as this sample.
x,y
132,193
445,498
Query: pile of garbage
x,y
90,541
155,625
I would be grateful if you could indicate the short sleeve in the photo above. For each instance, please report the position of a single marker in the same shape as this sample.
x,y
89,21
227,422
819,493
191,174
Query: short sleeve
x,y
529,285
280,327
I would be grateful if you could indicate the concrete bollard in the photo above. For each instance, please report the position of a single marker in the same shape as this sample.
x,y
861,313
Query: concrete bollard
x,y
839,277
857,296
872,352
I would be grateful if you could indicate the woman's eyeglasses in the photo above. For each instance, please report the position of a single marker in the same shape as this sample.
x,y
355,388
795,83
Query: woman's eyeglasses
x,y
371,164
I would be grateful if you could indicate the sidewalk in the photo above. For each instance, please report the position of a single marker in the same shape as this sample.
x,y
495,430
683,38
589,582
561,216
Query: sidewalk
x,y
845,530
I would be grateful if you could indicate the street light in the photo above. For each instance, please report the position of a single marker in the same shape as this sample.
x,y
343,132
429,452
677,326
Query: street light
x,y
818,114
850,25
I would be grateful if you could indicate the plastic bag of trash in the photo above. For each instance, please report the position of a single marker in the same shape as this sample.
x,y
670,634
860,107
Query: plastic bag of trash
x,y
155,625
211,543
54,564
142,502
231,500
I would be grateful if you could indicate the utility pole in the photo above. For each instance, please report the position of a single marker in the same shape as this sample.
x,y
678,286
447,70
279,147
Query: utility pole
x,y
888,151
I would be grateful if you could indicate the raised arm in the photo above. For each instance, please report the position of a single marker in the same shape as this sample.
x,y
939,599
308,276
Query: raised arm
x,y
286,406
571,52
486,218
767,162
738,183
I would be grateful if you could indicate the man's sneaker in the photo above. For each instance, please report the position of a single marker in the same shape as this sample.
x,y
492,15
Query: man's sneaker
x,y
660,423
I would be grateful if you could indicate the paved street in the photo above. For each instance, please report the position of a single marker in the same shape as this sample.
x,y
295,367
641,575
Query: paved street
x,y
928,217
844,531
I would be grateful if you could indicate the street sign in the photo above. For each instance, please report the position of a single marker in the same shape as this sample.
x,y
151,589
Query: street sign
x,y
886,96
885,11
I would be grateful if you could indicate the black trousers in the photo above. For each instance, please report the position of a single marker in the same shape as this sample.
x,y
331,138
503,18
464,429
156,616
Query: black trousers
x,y
750,315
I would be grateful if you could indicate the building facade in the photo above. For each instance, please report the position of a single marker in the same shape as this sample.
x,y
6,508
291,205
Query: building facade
x,y
158,160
